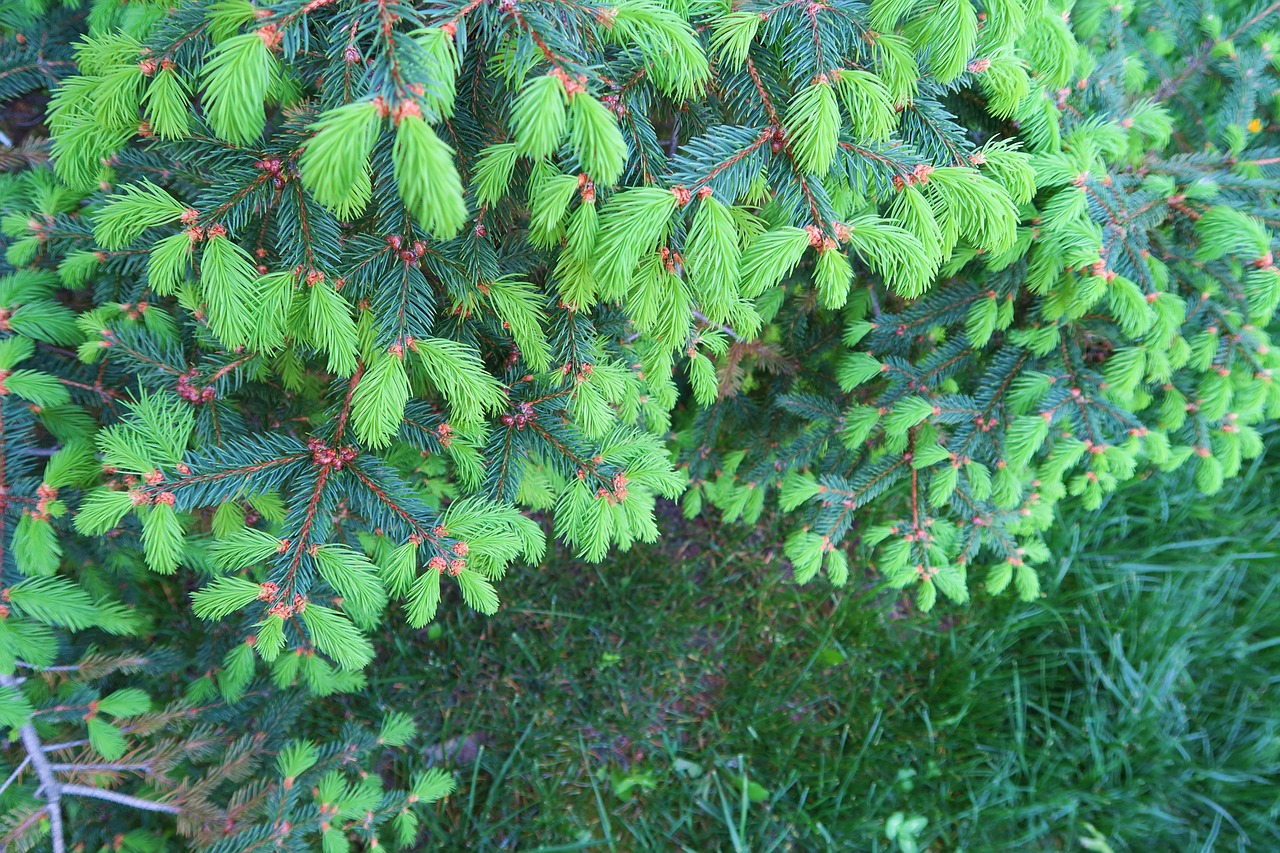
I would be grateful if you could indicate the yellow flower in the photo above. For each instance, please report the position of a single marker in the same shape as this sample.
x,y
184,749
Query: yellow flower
x,y
1255,125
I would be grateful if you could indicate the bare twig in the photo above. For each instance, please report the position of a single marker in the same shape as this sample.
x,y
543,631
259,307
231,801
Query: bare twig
x,y
53,790
48,782
14,774
54,747
122,799
701,318
41,451
875,301
99,768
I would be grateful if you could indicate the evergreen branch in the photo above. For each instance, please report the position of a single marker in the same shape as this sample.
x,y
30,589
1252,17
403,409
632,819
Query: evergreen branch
x,y
1168,87
858,496
958,157
503,464
302,542
764,136
5,496
113,342
585,466
899,166
423,532
345,414
561,63
996,397
304,227
32,152
241,471
774,118
215,216
466,10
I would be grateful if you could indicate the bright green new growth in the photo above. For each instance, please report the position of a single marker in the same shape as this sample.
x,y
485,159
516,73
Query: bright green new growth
x,y
538,117
167,105
321,304
131,212
236,78
813,125
335,163
597,142
427,177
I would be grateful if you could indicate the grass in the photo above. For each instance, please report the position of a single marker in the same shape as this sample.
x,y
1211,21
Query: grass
x,y
686,697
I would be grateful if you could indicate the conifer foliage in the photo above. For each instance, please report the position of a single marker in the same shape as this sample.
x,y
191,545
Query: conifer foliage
x,y
1095,293
315,301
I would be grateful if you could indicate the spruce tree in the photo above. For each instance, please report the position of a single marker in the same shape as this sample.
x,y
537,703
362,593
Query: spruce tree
x,y
313,310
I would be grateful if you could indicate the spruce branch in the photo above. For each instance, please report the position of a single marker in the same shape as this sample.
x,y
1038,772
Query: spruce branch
x,y
1170,86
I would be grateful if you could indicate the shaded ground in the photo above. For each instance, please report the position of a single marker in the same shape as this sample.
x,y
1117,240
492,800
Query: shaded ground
x,y
685,697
